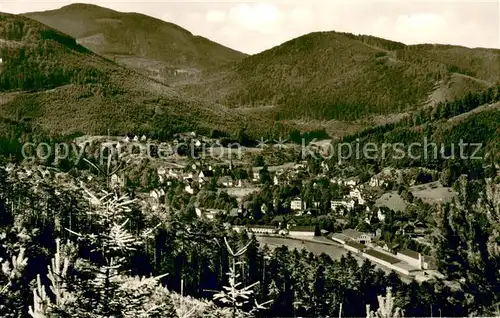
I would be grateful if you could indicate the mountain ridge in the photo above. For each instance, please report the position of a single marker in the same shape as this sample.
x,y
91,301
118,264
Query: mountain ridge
x,y
154,47
335,75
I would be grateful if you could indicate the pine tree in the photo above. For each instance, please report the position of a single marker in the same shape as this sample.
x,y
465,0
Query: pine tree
x,y
386,307
235,295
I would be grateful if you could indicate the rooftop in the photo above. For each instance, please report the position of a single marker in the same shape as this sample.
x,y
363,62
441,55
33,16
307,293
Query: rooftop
x,y
303,229
357,245
382,256
410,253
270,227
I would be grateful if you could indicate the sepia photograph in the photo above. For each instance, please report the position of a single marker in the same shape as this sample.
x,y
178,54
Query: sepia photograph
x,y
249,158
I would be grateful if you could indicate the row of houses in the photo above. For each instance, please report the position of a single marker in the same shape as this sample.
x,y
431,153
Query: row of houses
x,y
293,231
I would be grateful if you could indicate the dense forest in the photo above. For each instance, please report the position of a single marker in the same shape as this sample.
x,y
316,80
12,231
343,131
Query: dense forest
x,y
102,241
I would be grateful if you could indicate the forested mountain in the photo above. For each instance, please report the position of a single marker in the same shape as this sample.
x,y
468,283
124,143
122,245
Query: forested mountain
x,y
325,80
49,80
154,47
439,131
330,75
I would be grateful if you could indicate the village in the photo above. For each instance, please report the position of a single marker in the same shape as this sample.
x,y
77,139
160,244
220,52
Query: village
x,y
367,218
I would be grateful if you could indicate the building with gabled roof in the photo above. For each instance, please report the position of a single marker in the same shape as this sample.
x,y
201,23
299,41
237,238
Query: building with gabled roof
x,y
302,231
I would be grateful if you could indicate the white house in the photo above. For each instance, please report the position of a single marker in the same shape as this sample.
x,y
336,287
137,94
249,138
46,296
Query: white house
x,y
350,183
376,182
205,176
189,189
256,176
296,204
1,61
136,138
350,235
356,194
161,171
126,139
225,181
336,204
144,138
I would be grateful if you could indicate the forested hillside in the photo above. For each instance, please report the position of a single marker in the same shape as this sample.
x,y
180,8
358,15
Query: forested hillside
x,y
151,46
49,80
330,75
473,120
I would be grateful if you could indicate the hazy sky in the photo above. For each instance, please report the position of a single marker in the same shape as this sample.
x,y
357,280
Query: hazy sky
x,y
253,26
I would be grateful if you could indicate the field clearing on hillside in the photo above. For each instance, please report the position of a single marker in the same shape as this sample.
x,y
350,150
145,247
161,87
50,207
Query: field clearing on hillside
x,y
392,200
433,192
235,152
239,193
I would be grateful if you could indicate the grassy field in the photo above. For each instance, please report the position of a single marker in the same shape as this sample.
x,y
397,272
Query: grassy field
x,y
433,192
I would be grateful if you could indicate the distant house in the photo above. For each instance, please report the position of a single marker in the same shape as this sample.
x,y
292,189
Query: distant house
x,y
144,138
296,204
276,180
387,260
234,212
356,194
338,204
380,215
136,138
390,247
302,231
205,176
351,182
263,229
126,139
375,181
225,181
420,228
1,61
189,189
256,176
350,235
212,213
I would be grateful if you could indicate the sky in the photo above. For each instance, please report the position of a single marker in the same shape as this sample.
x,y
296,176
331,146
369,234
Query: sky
x,y
254,26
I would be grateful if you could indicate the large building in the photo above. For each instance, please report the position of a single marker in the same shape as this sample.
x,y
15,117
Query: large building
x,y
302,231
350,235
